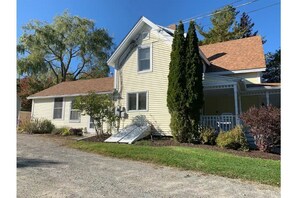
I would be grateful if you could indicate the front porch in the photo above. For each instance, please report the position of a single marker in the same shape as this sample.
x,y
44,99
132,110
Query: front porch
x,y
227,97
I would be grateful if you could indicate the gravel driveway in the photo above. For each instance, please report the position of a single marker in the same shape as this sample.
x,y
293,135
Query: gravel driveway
x,y
45,168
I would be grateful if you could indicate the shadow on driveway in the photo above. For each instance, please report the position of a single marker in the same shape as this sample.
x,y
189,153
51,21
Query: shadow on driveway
x,y
28,162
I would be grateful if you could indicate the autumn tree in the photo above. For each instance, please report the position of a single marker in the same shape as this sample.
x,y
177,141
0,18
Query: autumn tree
x,y
70,46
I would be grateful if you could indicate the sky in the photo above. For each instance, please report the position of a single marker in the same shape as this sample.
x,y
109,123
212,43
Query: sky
x,y
119,16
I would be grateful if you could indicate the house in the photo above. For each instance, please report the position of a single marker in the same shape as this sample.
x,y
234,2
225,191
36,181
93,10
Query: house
x,y
55,103
232,77
232,82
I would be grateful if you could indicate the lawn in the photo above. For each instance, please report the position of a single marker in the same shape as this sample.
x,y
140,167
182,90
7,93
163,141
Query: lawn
x,y
197,159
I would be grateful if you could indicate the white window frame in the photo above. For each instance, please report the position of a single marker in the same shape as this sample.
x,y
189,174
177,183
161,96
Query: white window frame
x,y
151,57
137,101
77,110
62,113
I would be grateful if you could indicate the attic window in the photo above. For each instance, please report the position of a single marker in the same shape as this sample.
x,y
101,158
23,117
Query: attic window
x,y
145,35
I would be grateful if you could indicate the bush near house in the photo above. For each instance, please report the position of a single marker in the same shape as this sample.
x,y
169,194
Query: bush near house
x,y
207,136
233,139
39,126
264,124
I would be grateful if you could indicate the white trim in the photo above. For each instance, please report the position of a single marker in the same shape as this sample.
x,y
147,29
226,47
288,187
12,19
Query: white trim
x,y
64,96
267,98
32,109
237,71
115,80
137,92
236,104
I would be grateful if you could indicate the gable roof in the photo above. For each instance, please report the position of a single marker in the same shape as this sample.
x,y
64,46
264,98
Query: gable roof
x,y
129,39
240,54
76,88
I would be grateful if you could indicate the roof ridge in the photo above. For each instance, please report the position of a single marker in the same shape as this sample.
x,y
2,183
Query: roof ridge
x,y
231,40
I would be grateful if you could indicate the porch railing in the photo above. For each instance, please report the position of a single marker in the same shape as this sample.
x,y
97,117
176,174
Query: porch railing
x,y
224,122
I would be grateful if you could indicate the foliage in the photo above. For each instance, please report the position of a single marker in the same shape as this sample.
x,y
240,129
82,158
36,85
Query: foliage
x,y
207,136
99,106
273,67
196,159
76,131
30,85
233,139
39,126
225,27
246,25
176,93
264,124
194,87
69,47
65,131
180,126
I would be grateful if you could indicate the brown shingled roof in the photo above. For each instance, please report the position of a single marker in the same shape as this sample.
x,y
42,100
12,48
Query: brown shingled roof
x,y
78,87
240,54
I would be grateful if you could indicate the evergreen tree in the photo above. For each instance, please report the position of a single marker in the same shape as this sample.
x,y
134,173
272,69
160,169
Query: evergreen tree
x,y
246,26
224,26
194,87
176,98
273,67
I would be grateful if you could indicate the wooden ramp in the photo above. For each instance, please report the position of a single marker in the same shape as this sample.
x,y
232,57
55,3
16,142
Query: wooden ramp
x,y
130,134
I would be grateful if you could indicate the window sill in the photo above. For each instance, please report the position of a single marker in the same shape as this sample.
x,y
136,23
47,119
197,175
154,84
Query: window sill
x,y
74,121
132,111
144,71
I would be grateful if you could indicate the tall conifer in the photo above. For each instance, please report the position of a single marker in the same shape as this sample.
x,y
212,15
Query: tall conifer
x,y
176,99
194,87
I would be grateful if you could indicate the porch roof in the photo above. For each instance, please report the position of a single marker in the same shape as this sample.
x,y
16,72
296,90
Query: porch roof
x,y
212,81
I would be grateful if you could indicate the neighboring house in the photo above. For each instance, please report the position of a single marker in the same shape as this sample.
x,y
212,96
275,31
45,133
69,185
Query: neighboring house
x,y
55,103
232,77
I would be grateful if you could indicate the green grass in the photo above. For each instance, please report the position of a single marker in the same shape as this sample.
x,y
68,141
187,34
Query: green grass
x,y
197,159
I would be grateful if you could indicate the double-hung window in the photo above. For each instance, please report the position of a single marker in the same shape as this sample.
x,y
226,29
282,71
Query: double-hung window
x,y
144,58
74,114
137,101
58,108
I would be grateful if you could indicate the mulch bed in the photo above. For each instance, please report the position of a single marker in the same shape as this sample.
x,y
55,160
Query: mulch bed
x,y
251,153
166,141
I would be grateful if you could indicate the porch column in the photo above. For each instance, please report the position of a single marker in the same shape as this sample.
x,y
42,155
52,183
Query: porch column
x,y
236,104
267,98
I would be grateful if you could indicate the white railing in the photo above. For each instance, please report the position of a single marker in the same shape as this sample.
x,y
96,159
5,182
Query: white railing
x,y
224,122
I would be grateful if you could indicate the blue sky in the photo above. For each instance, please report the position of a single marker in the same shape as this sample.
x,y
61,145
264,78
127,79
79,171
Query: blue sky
x,y
119,16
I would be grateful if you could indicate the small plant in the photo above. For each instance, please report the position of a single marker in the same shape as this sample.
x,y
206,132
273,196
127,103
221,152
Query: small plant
x,y
233,139
76,131
264,124
65,131
39,126
207,136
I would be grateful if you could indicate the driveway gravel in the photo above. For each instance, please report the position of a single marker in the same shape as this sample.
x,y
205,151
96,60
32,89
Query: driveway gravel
x,y
46,168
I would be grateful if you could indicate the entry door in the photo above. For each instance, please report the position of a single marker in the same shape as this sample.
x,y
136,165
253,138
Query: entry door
x,y
91,126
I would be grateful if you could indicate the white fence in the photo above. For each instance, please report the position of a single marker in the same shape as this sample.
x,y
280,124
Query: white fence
x,y
224,122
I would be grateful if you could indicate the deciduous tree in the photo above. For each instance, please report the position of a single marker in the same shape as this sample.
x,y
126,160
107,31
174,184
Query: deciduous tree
x,y
71,45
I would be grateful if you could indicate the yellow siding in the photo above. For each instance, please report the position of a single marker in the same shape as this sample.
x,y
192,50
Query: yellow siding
x,y
253,77
43,109
155,83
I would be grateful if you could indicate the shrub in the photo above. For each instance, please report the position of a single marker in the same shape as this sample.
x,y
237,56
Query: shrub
x,y
264,124
39,126
76,131
207,136
233,139
65,131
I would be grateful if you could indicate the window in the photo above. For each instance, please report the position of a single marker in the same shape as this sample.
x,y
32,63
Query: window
x,y
58,108
144,58
92,123
74,114
137,101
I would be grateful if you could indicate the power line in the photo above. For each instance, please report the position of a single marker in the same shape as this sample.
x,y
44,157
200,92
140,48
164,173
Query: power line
x,y
211,12
217,12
